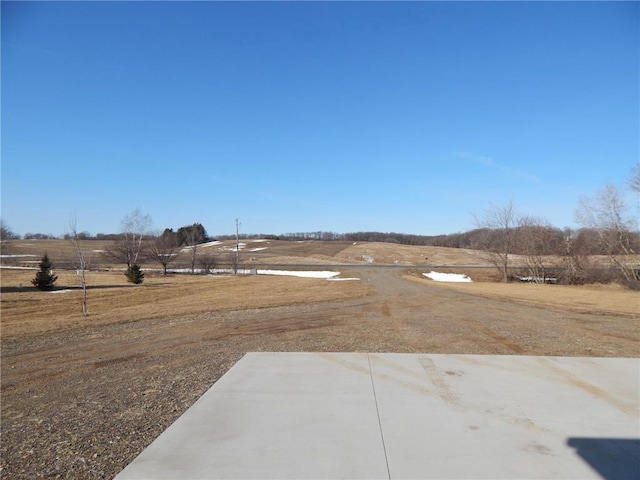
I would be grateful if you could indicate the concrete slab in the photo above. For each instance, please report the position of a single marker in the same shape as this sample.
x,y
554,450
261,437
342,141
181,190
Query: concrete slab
x,y
394,416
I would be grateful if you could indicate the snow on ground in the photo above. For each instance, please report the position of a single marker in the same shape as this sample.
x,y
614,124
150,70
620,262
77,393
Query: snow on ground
x,y
323,274
233,248
538,279
209,244
447,277
300,273
206,244
17,256
257,249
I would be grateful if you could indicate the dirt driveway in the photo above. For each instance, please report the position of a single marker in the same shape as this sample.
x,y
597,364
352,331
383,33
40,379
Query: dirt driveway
x,y
83,403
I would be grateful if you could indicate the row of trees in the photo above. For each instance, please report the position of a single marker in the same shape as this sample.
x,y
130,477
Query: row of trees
x,y
589,237
164,248
471,239
608,229
136,243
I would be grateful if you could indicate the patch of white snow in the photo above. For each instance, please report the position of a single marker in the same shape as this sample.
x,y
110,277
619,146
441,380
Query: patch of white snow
x,y
300,273
447,277
209,244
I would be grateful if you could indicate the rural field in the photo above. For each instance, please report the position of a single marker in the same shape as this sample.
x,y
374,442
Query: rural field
x,y
83,395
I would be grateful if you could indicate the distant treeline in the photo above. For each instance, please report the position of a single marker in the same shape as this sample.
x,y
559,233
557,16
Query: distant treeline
x,y
555,239
547,253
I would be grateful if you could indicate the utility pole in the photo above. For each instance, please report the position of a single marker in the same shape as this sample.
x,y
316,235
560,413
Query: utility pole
x,y
237,247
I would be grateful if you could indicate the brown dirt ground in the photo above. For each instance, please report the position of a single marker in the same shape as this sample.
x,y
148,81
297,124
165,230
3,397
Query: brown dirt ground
x,y
82,396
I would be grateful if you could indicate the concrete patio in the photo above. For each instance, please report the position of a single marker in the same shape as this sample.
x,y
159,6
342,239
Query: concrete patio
x,y
401,416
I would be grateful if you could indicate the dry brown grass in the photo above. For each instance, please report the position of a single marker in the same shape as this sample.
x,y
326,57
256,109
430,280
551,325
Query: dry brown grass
x,y
389,253
600,299
59,251
112,300
272,251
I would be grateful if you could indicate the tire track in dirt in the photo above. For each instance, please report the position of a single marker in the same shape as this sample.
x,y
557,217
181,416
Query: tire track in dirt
x,y
492,325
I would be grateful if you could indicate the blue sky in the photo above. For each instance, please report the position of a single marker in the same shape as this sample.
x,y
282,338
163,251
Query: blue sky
x,y
306,116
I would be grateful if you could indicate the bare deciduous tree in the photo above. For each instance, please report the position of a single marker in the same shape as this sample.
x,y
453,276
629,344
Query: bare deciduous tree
x,y
193,239
134,227
82,260
634,180
606,213
234,261
497,241
5,231
6,235
163,249
207,263
535,238
574,260
127,248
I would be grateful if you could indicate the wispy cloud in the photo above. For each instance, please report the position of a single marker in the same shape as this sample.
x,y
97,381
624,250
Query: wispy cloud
x,y
492,164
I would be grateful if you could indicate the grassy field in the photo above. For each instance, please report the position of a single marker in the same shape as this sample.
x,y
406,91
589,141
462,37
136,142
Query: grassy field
x,y
597,299
256,252
112,300
25,310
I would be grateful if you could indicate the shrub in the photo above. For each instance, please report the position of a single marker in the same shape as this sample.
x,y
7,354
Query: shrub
x,y
207,264
134,274
45,279
631,284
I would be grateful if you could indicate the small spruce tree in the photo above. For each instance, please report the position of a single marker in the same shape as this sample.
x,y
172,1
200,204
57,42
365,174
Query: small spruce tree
x,y
45,279
134,274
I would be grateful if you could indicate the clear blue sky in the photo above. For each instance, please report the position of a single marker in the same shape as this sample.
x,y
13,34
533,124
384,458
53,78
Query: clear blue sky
x,y
299,116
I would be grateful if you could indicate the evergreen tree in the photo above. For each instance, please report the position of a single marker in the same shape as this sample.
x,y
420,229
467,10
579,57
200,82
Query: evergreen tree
x,y
45,279
191,234
134,274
